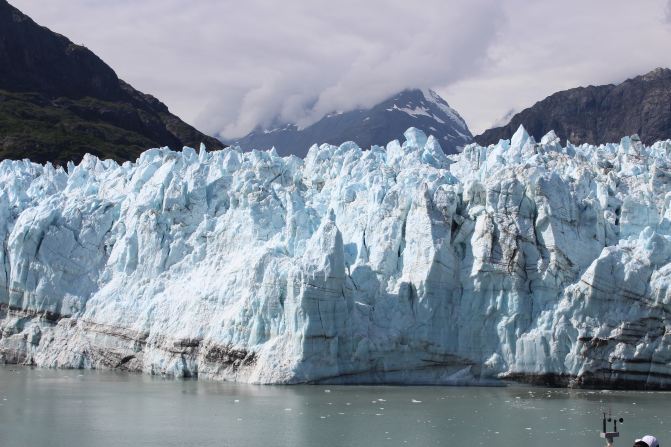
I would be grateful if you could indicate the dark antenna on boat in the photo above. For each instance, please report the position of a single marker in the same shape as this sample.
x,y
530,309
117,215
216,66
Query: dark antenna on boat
x,y
610,435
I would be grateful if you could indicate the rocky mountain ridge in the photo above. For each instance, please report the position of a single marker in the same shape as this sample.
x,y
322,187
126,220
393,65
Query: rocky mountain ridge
x,y
598,114
59,101
386,121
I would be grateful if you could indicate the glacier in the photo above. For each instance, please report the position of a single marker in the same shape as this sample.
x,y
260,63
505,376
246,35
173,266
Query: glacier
x,y
527,261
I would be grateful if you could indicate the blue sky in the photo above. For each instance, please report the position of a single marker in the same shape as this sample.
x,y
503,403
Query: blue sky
x,y
228,66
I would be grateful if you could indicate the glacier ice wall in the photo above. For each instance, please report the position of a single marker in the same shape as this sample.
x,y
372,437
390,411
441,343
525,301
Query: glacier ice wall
x,y
521,260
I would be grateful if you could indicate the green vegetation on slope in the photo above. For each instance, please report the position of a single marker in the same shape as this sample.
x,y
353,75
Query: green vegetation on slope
x,y
59,101
64,129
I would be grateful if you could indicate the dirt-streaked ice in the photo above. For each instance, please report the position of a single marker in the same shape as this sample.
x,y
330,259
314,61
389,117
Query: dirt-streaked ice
x,y
533,261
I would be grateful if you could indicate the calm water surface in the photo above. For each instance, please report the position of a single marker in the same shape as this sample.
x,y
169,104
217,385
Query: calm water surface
x,y
41,407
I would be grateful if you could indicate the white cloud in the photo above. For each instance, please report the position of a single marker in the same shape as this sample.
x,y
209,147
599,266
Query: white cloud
x,y
227,66
230,65
316,60
553,46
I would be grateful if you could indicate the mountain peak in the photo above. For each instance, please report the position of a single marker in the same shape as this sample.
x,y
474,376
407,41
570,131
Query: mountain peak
x,y
423,109
656,74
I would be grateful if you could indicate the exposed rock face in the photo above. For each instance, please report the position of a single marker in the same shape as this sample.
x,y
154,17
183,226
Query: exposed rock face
x,y
529,261
601,114
386,121
59,101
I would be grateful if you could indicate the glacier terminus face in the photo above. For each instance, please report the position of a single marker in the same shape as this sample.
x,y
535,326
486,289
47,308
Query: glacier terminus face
x,y
526,261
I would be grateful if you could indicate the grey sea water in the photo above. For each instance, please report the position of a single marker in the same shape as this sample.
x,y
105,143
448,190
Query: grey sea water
x,y
42,407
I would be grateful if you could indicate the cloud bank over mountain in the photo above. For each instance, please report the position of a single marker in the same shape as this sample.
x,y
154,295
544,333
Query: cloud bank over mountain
x,y
229,66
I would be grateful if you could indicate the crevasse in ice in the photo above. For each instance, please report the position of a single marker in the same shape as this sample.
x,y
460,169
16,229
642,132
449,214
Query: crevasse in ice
x,y
522,260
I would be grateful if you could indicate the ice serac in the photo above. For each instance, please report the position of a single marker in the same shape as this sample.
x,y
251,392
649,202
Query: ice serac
x,y
522,260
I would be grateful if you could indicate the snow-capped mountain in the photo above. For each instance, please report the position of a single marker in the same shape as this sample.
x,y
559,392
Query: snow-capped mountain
x,y
422,109
527,261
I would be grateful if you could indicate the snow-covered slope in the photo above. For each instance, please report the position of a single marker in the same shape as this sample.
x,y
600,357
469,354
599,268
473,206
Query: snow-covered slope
x,y
399,264
422,109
